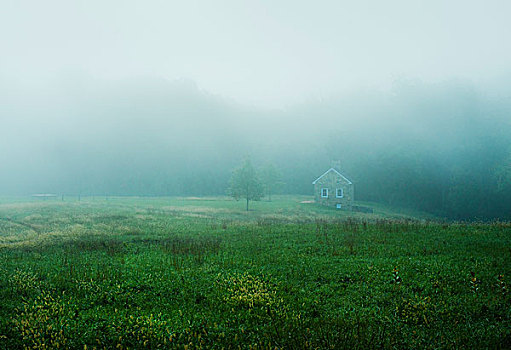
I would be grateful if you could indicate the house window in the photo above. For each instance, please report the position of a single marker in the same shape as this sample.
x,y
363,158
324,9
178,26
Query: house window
x,y
339,193
324,193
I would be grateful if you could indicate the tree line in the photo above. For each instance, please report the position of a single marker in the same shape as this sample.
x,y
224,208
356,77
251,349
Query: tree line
x,y
442,148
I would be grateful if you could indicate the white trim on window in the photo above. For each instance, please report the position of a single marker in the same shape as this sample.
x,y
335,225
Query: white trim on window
x,y
324,193
337,193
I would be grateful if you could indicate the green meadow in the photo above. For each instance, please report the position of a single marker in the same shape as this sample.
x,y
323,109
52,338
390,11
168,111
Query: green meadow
x,y
200,273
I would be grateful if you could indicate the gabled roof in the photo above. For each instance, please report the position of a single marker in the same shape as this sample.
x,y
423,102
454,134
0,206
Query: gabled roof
x,y
338,173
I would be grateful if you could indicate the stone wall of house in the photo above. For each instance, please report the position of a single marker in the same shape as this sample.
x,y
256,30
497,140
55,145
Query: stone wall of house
x,y
332,181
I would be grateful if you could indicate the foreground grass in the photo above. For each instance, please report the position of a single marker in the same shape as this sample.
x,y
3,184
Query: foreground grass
x,y
202,273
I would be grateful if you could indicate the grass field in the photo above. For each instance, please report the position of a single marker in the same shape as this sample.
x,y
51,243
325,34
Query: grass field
x,y
192,273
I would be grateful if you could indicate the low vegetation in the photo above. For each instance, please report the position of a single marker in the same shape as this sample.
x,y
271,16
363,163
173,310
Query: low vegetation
x,y
204,273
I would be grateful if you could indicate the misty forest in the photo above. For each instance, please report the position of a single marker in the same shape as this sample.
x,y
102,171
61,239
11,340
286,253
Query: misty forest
x,y
442,148
255,175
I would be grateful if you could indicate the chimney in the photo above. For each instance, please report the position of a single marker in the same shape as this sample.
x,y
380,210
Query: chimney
x,y
336,164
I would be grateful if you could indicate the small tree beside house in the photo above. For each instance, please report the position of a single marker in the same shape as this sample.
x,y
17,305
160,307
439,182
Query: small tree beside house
x,y
271,180
245,183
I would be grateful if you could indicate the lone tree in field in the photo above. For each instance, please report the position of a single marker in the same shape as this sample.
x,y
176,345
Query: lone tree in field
x,y
245,183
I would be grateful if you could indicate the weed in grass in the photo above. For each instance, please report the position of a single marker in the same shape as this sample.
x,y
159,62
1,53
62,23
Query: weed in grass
x,y
137,332
24,282
44,322
502,285
396,279
197,246
248,291
351,225
105,244
474,282
417,310
350,241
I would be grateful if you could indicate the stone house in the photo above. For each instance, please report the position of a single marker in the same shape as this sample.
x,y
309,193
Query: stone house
x,y
334,190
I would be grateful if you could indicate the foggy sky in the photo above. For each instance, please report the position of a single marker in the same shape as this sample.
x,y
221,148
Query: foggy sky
x,y
165,98
263,53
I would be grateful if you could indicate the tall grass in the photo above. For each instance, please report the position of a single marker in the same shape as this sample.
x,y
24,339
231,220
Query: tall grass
x,y
139,273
